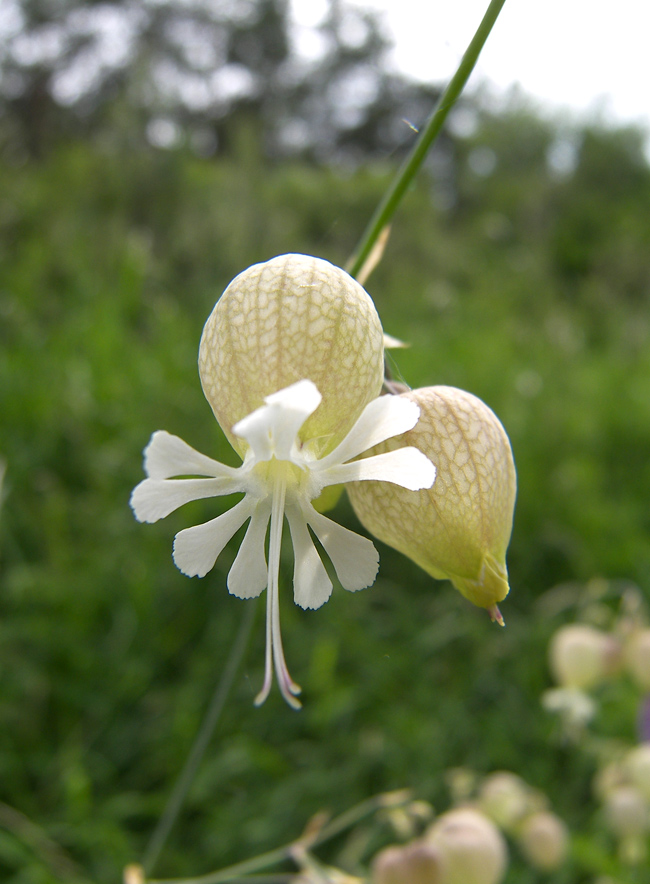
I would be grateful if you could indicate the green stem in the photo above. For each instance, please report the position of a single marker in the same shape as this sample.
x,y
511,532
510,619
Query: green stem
x,y
411,165
258,863
201,742
51,854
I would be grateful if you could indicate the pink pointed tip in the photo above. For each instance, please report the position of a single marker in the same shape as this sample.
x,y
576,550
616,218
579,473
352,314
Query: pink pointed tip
x,y
495,615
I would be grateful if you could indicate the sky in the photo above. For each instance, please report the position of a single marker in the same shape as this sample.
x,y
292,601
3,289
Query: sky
x,y
589,56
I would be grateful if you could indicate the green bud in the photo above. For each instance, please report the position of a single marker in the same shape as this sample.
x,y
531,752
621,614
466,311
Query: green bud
x,y
460,528
290,319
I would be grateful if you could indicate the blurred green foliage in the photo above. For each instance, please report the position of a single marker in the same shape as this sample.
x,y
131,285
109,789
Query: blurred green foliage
x,y
519,272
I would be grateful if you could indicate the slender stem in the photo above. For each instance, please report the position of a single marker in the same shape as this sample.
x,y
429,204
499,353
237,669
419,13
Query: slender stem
x,y
330,830
232,873
411,165
32,835
203,737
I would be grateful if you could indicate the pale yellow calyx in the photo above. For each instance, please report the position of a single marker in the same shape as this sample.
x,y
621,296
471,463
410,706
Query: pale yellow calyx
x,y
505,798
579,655
293,318
473,849
544,840
637,657
460,528
414,863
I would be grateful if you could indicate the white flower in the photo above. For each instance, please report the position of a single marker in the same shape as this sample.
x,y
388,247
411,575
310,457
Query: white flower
x,y
281,475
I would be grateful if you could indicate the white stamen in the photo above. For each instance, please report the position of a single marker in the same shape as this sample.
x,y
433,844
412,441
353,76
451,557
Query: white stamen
x,y
274,650
268,659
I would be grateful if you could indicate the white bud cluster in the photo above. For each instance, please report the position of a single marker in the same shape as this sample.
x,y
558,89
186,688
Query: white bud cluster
x,y
582,659
623,788
522,812
467,844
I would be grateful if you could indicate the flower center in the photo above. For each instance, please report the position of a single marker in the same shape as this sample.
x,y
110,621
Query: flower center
x,y
272,473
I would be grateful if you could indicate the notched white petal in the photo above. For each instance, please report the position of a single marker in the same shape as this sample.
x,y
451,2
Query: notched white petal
x,y
355,558
197,549
407,467
167,456
311,584
248,575
154,499
273,428
303,397
381,419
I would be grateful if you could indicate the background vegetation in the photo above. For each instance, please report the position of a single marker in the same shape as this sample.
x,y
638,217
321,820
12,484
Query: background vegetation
x,y
518,269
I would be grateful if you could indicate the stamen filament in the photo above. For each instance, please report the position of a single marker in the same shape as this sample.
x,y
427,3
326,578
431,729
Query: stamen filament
x,y
268,666
274,649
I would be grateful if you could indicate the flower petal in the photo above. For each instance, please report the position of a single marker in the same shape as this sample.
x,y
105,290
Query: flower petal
x,y
197,549
248,575
154,499
381,419
407,467
354,557
273,428
311,584
167,456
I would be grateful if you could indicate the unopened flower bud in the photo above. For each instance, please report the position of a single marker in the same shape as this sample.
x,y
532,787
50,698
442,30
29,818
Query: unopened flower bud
x,y
580,655
626,812
637,768
460,528
473,849
505,798
544,840
290,319
415,863
637,658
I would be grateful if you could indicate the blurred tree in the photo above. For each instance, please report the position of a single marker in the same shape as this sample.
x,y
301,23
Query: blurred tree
x,y
196,71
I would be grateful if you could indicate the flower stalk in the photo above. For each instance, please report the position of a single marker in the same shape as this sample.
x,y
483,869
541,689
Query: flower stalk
x,y
396,190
